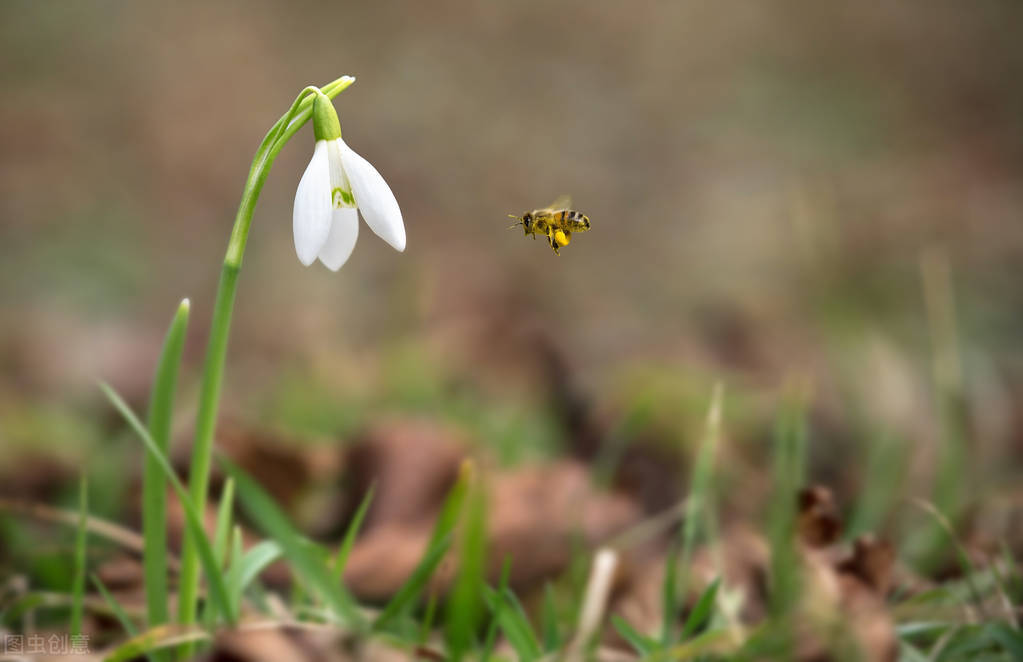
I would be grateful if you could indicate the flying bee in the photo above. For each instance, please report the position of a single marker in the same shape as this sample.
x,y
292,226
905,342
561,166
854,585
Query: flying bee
x,y
556,222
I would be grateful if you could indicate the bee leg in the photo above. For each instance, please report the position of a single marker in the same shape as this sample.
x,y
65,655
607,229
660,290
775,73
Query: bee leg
x,y
554,244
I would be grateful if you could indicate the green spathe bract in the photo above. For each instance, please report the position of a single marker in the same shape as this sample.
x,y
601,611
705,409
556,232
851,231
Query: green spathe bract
x,y
325,123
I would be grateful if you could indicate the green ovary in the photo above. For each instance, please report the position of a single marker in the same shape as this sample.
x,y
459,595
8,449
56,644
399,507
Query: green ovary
x,y
342,198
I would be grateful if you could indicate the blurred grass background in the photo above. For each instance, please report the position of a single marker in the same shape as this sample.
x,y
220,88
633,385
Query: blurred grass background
x,y
778,191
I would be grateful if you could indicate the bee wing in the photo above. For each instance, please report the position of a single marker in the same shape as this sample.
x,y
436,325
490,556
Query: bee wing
x,y
562,202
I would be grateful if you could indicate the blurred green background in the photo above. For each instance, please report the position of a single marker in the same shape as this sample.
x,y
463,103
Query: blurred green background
x,y
821,192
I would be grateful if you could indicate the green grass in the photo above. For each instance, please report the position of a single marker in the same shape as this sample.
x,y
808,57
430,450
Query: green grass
x,y
307,559
474,617
699,516
464,613
345,549
115,607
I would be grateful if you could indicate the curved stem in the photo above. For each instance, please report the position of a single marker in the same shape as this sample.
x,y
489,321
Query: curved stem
x,y
220,326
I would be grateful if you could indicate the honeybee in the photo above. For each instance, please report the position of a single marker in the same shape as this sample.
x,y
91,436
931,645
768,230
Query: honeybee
x,y
556,222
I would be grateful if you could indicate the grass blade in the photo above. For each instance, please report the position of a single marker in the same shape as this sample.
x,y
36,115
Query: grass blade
x,y
426,625
702,611
549,621
224,522
790,440
699,512
465,605
220,545
415,584
214,576
969,570
245,567
451,509
307,564
154,483
115,607
81,542
643,644
352,533
669,590
513,623
438,545
234,579
491,637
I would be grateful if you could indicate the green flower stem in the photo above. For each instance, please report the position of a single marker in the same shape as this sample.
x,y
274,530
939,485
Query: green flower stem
x,y
213,369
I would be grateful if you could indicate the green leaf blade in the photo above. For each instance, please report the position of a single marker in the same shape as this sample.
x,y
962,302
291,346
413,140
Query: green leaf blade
x,y
154,483
351,533
208,561
308,565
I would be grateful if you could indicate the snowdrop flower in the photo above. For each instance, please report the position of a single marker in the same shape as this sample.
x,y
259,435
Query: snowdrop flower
x,y
336,186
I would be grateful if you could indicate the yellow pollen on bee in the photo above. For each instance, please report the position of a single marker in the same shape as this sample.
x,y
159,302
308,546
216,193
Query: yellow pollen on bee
x,y
561,238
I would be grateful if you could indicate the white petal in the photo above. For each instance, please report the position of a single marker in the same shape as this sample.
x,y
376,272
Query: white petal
x,y
374,198
311,219
344,230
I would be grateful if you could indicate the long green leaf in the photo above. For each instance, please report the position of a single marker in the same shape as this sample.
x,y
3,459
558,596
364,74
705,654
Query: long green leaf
x,y
220,545
464,609
426,625
154,483
513,623
224,521
234,588
702,611
669,590
643,644
115,607
451,509
310,567
351,533
549,621
491,636
439,542
699,505
210,567
246,567
415,584
81,542
790,449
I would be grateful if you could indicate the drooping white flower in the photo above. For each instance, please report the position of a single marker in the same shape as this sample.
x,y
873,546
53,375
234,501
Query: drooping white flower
x,y
336,186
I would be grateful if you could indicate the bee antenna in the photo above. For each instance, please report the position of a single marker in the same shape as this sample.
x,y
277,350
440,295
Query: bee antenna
x,y
518,221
